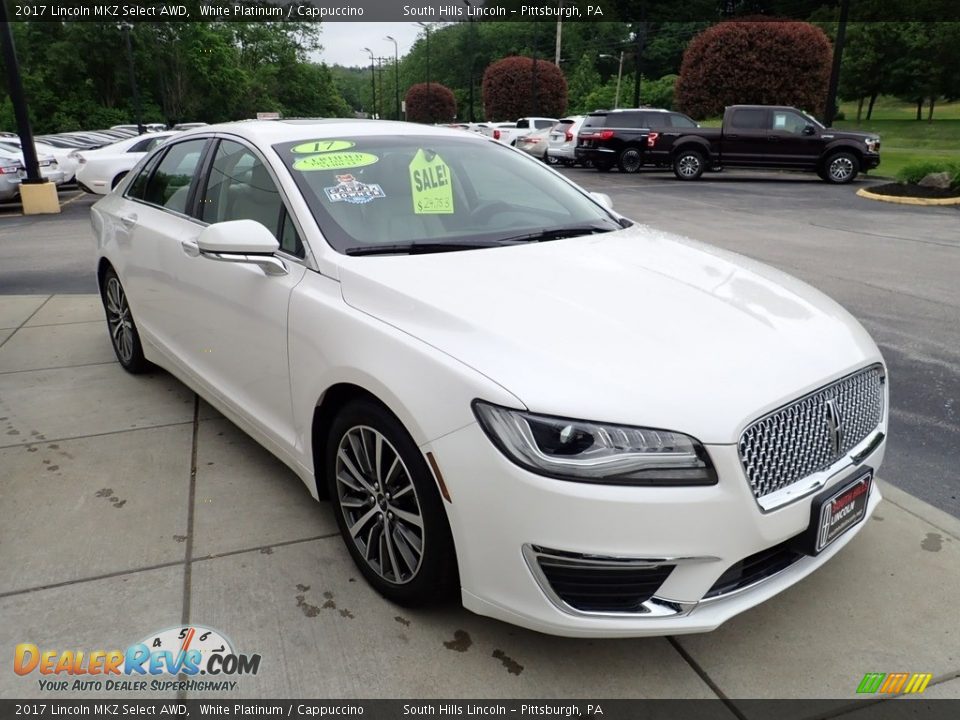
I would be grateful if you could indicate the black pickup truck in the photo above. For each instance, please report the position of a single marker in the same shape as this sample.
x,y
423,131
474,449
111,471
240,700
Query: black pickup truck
x,y
770,136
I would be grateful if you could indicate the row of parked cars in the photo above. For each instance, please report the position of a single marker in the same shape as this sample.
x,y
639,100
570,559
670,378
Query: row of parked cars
x,y
750,136
95,160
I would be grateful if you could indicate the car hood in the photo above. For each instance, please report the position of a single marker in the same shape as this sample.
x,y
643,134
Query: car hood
x,y
634,326
850,134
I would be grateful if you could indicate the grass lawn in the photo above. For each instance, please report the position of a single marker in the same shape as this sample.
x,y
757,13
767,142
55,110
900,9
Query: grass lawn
x,y
904,140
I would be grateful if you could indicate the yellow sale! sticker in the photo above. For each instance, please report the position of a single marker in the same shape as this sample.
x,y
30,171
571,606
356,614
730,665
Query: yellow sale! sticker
x,y
431,184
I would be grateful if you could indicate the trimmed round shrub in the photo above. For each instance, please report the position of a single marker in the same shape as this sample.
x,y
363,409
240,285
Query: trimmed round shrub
x,y
433,103
754,62
509,86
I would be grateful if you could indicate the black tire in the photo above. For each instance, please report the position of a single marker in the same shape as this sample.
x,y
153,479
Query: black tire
x,y
121,326
602,167
117,179
368,492
841,168
550,159
689,164
630,160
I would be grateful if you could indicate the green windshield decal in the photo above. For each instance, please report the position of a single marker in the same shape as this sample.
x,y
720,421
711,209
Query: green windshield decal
x,y
430,184
335,161
322,146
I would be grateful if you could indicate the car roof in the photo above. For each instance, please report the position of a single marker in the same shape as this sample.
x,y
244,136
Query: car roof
x,y
270,132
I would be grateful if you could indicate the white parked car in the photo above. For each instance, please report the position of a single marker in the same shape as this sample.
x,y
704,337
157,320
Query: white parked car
x,y
509,133
579,424
563,140
65,162
47,164
100,170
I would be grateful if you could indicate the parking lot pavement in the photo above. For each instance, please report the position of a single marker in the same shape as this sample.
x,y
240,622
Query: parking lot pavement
x,y
128,506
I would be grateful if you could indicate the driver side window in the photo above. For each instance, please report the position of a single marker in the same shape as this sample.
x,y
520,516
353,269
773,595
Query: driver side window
x,y
241,188
789,122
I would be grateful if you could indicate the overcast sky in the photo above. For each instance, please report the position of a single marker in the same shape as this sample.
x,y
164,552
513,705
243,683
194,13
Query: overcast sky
x,y
343,42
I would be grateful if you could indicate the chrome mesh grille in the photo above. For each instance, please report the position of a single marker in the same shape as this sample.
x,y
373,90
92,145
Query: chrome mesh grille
x,y
799,439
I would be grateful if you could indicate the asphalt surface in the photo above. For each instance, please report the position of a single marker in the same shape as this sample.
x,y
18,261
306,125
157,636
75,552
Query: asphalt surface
x,y
894,267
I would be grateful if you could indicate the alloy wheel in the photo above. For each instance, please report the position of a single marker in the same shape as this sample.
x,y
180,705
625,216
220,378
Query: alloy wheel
x,y
841,168
119,320
380,505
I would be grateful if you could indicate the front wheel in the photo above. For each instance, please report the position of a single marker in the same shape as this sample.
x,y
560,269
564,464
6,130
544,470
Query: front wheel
x,y
841,168
123,330
688,164
388,507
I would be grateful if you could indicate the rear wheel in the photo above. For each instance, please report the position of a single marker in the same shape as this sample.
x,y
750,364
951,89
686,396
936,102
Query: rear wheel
x,y
550,159
388,507
630,160
688,164
841,168
123,330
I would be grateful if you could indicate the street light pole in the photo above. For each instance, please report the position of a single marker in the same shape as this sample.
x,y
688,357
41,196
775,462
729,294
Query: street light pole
x,y
19,101
396,73
138,112
616,102
373,81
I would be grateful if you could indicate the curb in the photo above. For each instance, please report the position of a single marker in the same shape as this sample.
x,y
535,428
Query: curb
x,y
943,521
863,192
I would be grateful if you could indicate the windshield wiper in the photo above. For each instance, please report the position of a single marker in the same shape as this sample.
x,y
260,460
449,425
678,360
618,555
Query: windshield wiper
x,y
558,233
415,248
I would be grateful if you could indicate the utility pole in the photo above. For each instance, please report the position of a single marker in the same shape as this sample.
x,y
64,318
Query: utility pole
x,y
831,109
373,81
426,27
471,51
126,27
640,35
380,85
396,74
556,53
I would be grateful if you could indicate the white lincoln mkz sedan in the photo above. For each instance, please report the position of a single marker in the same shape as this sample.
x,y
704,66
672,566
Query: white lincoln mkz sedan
x,y
508,391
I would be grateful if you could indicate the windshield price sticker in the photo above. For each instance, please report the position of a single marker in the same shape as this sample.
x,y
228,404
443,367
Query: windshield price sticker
x,y
322,146
430,184
335,161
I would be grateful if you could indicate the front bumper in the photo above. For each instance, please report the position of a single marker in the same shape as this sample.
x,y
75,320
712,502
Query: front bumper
x,y
871,161
498,509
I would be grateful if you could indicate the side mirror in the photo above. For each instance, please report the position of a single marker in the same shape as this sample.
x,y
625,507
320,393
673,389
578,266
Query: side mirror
x,y
242,241
809,130
603,199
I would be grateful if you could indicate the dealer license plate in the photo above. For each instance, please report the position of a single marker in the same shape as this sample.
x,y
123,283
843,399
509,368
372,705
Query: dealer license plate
x,y
836,511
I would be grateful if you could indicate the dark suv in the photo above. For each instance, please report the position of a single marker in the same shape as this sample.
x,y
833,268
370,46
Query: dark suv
x,y
629,138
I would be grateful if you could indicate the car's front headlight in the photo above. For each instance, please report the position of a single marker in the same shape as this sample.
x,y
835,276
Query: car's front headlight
x,y
873,144
586,451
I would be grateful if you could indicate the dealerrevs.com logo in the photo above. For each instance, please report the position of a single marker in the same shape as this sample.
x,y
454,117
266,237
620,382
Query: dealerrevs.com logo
x,y
151,664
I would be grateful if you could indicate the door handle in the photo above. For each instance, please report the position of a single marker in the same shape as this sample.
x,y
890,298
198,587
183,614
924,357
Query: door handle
x,y
773,138
129,221
732,137
190,247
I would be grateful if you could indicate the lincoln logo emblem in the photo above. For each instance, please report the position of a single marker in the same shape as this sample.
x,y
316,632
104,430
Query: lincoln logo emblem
x,y
835,424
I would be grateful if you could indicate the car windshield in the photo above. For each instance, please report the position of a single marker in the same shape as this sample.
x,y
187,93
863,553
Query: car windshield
x,y
377,193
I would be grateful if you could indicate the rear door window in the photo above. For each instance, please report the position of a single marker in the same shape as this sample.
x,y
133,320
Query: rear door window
x,y
749,119
594,122
681,121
